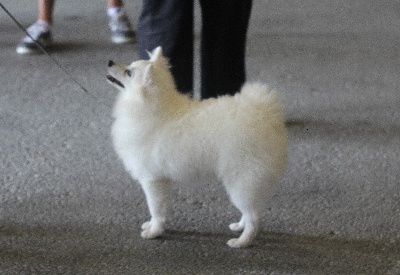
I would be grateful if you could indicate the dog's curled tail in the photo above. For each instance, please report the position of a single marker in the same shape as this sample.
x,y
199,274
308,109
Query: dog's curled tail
x,y
258,91
262,94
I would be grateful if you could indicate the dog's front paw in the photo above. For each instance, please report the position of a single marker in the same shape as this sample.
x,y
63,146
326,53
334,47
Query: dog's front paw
x,y
151,230
150,233
236,243
146,225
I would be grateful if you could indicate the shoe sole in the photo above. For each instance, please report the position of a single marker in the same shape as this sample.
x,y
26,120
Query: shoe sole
x,y
22,49
123,40
25,50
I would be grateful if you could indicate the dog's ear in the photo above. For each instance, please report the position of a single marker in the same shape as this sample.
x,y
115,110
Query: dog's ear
x,y
157,54
148,75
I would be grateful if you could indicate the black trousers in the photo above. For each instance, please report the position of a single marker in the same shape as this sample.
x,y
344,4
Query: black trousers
x,y
169,23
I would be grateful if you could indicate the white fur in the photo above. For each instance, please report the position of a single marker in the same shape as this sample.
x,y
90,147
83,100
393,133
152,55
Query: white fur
x,y
164,137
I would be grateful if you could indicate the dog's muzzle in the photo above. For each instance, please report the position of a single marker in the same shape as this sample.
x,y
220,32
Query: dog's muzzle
x,y
114,80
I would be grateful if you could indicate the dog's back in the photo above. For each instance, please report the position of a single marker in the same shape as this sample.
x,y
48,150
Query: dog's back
x,y
217,138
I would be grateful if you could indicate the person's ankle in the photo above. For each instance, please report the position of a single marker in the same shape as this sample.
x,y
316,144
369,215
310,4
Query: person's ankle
x,y
114,11
44,25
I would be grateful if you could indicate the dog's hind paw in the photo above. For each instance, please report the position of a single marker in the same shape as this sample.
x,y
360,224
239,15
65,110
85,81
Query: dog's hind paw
x,y
237,226
237,243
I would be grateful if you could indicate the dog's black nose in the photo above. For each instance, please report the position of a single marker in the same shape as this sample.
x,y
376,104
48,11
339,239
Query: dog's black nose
x,y
110,63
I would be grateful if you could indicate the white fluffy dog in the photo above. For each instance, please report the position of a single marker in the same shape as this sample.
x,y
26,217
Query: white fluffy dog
x,y
164,137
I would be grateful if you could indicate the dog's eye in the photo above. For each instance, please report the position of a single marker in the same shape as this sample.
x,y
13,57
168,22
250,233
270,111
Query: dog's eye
x,y
128,73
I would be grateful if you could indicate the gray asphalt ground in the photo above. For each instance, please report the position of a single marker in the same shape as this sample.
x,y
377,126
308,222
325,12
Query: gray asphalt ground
x,y
68,207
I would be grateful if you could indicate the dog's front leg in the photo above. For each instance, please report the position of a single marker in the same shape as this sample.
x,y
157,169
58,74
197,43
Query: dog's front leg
x,y
158,196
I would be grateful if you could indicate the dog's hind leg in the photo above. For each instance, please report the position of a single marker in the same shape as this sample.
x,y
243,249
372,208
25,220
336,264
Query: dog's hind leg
x,y
247,201
158,197
251,226
237,226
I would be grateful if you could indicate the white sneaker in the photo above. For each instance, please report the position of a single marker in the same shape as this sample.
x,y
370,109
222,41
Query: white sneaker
x,y
121,30
40,32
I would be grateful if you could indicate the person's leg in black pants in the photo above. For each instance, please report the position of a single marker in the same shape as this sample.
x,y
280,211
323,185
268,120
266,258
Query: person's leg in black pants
x,y
169,23
223,46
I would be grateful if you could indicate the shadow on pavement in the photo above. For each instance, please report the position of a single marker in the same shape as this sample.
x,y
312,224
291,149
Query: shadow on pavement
x,y
112,249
